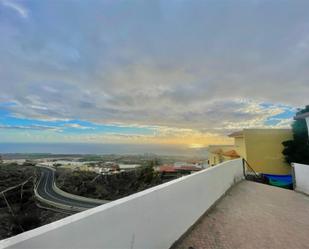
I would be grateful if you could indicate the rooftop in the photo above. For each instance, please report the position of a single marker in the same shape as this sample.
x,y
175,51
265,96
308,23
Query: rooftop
x,y
172,168
260,131
253,215
231,153
237,134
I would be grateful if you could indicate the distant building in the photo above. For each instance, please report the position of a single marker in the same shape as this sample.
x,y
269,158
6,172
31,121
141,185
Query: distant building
x,y
170,171
220,153
261,148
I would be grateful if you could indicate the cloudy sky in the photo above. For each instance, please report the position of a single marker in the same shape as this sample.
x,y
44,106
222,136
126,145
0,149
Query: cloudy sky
x,y
151,72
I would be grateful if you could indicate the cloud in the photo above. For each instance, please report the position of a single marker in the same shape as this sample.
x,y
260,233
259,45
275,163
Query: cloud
x,y
174,65
22,11
30,127
78,126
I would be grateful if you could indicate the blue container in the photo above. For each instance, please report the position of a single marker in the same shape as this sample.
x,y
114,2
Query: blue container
x,y
284,181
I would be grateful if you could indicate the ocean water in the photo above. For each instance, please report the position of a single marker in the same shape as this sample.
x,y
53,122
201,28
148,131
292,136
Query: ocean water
x,y
87,148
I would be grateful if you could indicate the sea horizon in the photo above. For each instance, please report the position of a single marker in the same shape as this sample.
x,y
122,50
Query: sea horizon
x,y
96,148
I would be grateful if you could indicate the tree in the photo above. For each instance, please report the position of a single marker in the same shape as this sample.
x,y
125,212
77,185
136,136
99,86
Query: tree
x,y
297,150
152,163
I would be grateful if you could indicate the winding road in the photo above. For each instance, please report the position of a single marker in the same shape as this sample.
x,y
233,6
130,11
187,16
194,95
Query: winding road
x,y
46,191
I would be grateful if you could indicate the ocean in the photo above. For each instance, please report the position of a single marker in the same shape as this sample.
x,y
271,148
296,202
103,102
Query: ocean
x,y
91,148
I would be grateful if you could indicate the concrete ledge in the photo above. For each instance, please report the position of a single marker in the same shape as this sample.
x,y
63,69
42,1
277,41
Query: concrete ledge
x,y
300,177
153,218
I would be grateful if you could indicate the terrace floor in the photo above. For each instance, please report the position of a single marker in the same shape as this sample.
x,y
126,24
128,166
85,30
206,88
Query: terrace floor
x,y
250,216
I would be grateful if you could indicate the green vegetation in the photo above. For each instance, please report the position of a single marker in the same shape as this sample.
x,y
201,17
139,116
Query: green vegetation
x,y
88,158
12,174
107,187
18,209
16,182
297,150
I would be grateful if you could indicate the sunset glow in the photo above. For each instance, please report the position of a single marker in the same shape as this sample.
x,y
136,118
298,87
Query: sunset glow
x,y
172,72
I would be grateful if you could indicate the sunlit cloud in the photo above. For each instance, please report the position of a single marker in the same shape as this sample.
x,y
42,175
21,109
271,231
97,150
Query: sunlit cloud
x,y
164,72
78,126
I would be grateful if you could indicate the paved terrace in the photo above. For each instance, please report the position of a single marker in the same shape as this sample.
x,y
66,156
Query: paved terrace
x,y
253,215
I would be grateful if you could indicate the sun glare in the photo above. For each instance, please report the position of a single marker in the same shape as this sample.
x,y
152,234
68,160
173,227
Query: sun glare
x,y
196,146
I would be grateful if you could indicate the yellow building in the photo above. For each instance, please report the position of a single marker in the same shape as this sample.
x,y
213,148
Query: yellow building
x,y
262,149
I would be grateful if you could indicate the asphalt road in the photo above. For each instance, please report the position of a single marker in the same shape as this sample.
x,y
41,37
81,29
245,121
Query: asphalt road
x,y
45,190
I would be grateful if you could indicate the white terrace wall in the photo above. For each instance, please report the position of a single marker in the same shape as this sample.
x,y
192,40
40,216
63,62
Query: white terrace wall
x,y
151,219
301,177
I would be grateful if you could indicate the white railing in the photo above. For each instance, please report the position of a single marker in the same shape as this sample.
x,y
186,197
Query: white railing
x,y
151,219
301,177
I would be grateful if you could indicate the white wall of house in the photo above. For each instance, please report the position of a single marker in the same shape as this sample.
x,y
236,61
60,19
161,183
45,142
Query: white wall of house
x,y
151,219
301,174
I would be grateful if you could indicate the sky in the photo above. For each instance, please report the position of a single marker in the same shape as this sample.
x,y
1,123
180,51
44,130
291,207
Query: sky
x,y
182,73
